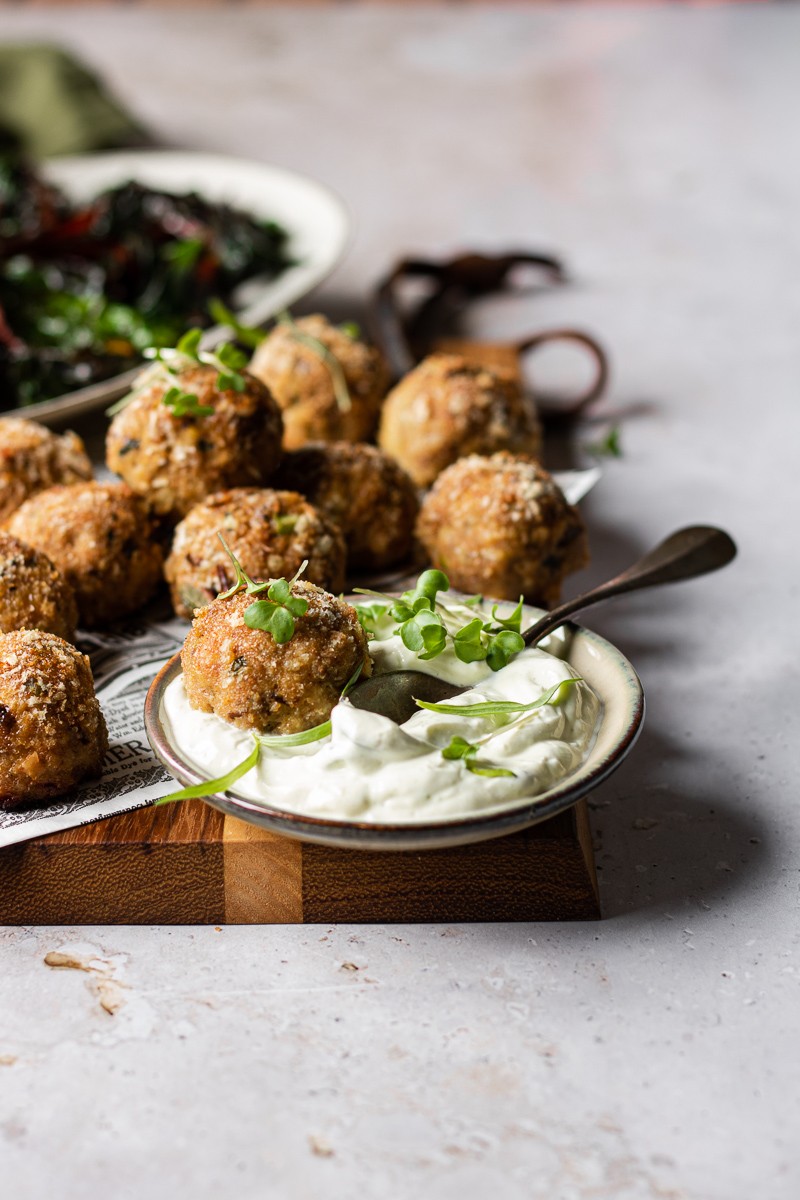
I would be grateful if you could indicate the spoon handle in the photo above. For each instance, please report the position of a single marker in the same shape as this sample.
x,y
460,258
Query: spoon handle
x,y
685,554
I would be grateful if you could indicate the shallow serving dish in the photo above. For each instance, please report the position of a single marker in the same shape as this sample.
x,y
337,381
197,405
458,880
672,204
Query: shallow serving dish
x,y
316,219
604,668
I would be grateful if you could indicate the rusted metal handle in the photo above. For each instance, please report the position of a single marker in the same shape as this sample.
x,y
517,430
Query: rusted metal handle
x,y
469,274
568,408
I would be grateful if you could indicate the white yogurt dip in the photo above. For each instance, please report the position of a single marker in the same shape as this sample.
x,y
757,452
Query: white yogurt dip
x,y
370,769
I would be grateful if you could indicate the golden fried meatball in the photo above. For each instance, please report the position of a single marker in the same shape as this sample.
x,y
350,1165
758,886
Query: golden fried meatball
x,y
33,458
52,730
370,497
245,677
448,407
303,384
100,536
176,461
501,526
271,533
33,592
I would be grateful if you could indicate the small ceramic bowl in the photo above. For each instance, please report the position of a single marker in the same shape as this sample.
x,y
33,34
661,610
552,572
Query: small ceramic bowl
x,y
604,668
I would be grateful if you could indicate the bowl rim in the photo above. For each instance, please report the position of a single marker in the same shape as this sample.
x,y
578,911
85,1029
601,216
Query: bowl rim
x,y
431,834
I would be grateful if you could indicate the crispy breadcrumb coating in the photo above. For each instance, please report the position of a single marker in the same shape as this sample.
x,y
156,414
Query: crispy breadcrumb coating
x,y
501,526
448,407
364,491
52,730
101,538
303,386
33,592
33,458
175,462
271,533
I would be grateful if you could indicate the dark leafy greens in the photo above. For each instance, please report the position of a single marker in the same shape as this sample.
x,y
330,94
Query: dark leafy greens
x,y
83,290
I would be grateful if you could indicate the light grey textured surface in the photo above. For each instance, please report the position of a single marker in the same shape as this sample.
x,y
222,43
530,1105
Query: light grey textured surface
x,y
654,1054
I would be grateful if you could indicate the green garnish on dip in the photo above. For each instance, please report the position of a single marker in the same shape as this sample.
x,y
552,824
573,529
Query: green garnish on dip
x,y
460,748
427,626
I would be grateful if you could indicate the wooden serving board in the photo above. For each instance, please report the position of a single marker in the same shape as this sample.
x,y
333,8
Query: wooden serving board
x,y
190,865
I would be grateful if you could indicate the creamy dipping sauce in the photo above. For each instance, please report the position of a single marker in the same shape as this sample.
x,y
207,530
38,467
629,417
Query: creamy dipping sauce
x,y
370,769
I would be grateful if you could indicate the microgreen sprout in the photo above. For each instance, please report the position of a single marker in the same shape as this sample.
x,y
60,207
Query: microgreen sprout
x,y
167,364
263,741
248,335
608,446
421,624
185,404
275,614
460,748
495,708
325,354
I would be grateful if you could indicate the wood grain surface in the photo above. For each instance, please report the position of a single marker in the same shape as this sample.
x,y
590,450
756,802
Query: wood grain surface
x,y
189,865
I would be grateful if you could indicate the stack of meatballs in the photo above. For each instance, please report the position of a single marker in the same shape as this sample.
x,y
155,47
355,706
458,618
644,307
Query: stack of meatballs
x,y
285,467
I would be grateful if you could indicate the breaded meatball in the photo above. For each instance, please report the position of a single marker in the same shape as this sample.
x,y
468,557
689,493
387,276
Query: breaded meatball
x,y
448,407
303,385
501,526
271,533
245,677
176,461
100,536
52,730
370,497
33,458
33,592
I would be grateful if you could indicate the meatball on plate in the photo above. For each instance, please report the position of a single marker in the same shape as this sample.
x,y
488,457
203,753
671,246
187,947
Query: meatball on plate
x,y
271,533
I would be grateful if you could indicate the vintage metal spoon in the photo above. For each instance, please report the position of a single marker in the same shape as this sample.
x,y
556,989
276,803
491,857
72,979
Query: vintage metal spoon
x,y
689,552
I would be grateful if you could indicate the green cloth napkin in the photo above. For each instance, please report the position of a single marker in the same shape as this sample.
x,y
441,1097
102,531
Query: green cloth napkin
x,y
51,104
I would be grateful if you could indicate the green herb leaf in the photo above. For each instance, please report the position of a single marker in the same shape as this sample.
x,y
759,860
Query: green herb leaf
x,y
514,619
230,356
338,378
243,580
285,523
502,648
491,772
248,335
493,708
185,404
369,615
460,748
608,446
189,344
351,328
215,786
231,382
183,254
286,741
468,642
